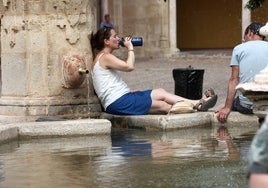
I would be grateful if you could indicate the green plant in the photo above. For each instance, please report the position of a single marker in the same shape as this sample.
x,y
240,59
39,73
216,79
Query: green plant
x,y
254,4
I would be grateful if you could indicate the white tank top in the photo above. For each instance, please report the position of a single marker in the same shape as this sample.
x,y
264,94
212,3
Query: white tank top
x,y
108,84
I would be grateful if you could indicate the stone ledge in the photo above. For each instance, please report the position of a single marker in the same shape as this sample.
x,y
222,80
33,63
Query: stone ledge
x,y
54,129
178,121
238,119
8,133
64,128
103,126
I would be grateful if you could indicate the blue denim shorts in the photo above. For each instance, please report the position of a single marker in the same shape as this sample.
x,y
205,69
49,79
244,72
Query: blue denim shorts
x,y
133,103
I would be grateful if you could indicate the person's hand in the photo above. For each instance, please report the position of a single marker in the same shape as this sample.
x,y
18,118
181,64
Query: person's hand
x,y
222,114
128,44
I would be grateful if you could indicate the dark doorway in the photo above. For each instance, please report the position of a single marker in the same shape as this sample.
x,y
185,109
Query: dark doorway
x,y
208,24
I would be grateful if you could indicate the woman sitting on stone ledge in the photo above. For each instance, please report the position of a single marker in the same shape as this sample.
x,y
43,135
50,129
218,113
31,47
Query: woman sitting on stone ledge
x,y
115,95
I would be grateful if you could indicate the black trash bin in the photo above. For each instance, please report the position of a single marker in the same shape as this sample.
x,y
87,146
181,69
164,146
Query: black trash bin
x,y
188,82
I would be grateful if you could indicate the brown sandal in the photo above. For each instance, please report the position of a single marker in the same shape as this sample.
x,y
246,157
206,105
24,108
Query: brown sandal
x,y
203,105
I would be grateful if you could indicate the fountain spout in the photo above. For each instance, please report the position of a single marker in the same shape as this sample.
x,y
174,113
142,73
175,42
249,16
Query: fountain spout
x,y
83,71
73,71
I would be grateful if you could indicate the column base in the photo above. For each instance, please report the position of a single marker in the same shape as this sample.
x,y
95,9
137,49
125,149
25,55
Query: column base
x,y
48,108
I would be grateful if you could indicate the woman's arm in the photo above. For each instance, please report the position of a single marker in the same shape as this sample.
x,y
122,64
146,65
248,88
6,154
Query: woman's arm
x,y
110,61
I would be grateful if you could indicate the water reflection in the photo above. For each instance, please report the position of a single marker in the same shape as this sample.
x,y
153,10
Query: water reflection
x,y
225,144
203,157
57,162
126,146
190,143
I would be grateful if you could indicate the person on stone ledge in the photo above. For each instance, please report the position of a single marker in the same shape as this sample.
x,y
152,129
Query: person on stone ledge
x,y
248,59
115,95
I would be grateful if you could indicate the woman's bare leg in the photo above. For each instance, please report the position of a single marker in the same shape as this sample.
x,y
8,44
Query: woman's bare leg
x,y
159,107
162,101
162,95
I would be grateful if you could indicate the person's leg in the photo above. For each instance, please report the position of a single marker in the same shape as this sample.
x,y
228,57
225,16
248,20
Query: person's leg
x,y
162,101
159,107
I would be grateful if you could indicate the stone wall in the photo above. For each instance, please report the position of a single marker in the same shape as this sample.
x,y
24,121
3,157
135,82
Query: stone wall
x,y
45,42
149,19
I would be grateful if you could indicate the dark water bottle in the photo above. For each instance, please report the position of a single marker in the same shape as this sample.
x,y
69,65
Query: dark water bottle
x,y
136,41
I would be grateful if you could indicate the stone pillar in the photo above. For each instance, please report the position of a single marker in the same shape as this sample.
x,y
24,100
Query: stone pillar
x,y
104,8
44,42
246,17
164,42
117,10
173,26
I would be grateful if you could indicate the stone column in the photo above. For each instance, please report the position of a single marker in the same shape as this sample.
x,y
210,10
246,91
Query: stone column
x,y
246,17
104,8
163,25
44,42
118,15
173,26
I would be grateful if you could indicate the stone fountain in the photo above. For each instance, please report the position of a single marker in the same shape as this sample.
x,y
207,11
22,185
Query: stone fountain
x,y
257,92
45,55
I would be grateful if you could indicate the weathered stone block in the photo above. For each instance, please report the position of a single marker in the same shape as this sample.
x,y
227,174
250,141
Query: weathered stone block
x,y
14,71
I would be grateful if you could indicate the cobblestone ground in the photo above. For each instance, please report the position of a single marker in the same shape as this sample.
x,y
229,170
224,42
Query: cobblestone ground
x,y
157,72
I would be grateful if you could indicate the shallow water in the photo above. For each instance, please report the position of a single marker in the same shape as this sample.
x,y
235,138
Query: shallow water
x,y
201,157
